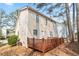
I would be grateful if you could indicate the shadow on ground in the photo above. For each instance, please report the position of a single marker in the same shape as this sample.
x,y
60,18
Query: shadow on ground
x,y
73,47
66,49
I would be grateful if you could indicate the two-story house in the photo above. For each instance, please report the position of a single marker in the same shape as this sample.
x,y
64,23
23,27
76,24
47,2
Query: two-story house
x,y
32,23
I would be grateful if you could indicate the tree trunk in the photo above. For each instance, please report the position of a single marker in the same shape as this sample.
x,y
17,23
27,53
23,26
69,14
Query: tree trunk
x,y
77,17
69,23
73,21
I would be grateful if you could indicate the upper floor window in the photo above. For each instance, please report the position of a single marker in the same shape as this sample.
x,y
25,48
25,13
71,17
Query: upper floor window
x,y
33,15
46,21
37,19
51,33
35,32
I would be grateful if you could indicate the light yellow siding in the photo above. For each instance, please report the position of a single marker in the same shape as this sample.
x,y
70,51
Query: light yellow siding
x,y
22,27
27,23
31,23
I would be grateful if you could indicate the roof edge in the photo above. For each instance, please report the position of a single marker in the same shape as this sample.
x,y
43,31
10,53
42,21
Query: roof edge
x,y
30,8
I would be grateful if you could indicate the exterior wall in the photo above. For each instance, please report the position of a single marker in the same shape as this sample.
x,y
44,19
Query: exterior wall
x,y
44,30
31,23
49,29
42,26
4,32
55,31
17,28
22,27
27,23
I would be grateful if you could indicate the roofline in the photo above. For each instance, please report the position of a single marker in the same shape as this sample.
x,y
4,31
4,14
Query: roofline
x,y
30,8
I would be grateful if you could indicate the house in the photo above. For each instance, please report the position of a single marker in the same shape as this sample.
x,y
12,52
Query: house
x,y
32,23
4,32
10,32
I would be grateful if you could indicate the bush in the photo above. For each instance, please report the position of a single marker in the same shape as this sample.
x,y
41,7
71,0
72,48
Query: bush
x,y
12,40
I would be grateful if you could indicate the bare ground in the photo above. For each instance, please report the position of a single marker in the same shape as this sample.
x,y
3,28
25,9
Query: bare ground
x,y
66,49
14,51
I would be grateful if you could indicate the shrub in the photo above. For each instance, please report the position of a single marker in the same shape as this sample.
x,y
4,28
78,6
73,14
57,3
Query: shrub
x,y
12,40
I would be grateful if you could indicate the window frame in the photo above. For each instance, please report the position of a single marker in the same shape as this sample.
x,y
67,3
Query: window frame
x,y
35,32
37,18
46,21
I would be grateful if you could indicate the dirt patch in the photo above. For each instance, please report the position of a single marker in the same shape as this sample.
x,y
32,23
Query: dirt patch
x,y
66,49
14,51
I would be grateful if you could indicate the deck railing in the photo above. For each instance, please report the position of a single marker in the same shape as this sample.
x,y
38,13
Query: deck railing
x,y
44,45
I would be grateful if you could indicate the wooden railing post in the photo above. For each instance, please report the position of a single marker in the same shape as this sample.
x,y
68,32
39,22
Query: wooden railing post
x,y
43,46
33,42
28,41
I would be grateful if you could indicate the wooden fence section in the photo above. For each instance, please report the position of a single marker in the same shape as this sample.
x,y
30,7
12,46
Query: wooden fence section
x,y
44,45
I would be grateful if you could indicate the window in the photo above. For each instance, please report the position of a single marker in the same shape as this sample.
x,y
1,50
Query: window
x,y
50,33
37,19
46,21
35,32
7,31
33,15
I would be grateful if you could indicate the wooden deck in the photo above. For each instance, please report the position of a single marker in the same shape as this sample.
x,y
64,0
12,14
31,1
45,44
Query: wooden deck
x,y
65,49
44,45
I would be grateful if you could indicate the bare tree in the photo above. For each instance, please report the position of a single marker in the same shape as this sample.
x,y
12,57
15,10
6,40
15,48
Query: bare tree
x,y
74,7
77,17
69,22
14,16
63,9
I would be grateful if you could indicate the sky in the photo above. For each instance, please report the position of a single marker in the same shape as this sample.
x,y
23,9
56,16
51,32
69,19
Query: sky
x,y
10,7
